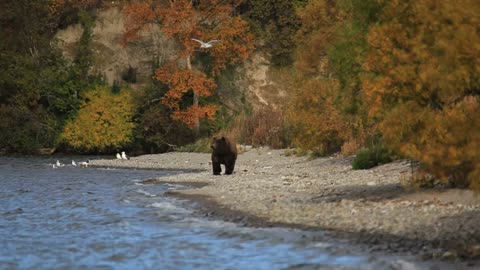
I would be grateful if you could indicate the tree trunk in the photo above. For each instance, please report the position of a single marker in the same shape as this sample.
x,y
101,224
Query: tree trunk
x,y
195,100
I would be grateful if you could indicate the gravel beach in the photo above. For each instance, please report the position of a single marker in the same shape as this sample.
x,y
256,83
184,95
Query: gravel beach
x,y
370,207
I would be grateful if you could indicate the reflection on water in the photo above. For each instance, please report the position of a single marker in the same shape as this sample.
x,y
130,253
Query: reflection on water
x,y
84,218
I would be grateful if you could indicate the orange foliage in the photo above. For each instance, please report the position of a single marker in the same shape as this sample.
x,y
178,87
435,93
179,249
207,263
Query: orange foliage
x,y
317,125
430,56
236,43
319,22
447,142
181,20
317,111
140,15
182,81
188,116
423,84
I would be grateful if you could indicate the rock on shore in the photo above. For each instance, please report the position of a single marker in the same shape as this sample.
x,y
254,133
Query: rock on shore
x,y
370,206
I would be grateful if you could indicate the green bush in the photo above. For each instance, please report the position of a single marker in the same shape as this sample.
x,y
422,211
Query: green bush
x,y
368,158
200,146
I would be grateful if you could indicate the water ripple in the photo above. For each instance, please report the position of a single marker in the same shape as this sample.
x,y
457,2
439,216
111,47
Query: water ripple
x,y
85,218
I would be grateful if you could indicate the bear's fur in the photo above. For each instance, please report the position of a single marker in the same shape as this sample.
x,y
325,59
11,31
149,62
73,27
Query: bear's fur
x,y
223,152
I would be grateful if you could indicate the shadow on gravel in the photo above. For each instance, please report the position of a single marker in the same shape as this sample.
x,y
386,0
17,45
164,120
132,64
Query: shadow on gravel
x,y
362,192
459,234
455,237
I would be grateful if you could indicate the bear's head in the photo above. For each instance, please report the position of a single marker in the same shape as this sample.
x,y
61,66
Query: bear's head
x,y
222,145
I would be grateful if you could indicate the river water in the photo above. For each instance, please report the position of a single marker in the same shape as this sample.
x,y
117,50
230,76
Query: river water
x,y
93,218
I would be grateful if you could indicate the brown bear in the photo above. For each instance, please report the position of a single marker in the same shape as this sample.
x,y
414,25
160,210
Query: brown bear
x,y
223,152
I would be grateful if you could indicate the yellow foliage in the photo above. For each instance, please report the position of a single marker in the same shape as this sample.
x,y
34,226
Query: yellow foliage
x,y
447,142
104,122
424,81
317,125
319,18
328,115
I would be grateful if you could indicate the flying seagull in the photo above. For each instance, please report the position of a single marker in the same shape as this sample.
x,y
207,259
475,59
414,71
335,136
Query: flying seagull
x,y
206,44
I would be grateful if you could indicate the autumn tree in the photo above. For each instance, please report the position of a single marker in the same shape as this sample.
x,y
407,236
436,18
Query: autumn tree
x,y
331,44
423,84
275,22
155,130
317,126
37,89
319,20
348,50
180,21
104,122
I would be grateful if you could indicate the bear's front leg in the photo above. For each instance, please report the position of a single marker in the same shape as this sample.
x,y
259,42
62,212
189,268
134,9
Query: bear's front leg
x,y
217,169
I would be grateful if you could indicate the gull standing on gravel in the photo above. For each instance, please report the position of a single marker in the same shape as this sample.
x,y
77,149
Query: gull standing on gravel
x,y
73,163
118,156
124,156
206,44
84,163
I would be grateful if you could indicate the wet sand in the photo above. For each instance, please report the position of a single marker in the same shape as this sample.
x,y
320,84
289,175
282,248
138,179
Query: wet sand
x,y
368,207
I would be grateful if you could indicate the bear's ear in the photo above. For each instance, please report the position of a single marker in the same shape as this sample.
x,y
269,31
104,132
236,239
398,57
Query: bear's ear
x,y
222,138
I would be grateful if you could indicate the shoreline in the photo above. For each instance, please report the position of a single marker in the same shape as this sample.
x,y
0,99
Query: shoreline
x,y
367,207
370,242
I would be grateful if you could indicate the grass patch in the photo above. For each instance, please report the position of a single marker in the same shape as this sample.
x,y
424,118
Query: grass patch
x,y
370,157
200,146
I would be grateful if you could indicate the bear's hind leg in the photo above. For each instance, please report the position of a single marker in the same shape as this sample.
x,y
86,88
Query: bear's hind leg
x,y
229,167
